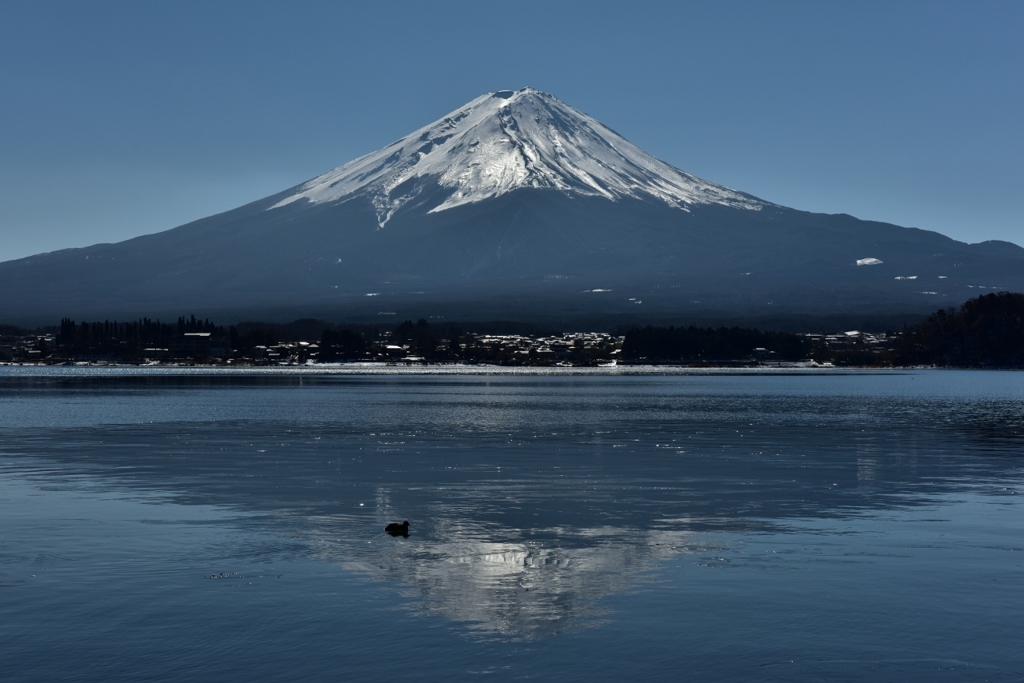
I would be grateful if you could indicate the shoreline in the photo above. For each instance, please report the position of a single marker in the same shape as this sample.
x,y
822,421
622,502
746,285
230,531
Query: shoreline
x,y
455,369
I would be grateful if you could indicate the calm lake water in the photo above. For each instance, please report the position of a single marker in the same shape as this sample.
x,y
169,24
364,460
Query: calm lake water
x,y
191,526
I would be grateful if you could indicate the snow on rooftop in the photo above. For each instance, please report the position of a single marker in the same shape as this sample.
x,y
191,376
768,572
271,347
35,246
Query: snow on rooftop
x,y
508,140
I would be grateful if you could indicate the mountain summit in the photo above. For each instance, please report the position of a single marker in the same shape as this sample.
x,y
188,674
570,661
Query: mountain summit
x,y
514,206
505,141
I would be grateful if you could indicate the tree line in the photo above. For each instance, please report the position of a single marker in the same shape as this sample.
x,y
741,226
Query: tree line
x,y
706,344
121,337
987,331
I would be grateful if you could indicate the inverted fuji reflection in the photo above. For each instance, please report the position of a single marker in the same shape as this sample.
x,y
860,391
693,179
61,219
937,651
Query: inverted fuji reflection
x,y
510,582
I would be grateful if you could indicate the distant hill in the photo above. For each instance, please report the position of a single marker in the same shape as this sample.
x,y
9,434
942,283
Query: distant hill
x,y
986,331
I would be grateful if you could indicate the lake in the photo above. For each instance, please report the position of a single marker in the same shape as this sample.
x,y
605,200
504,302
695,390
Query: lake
x,y
191,525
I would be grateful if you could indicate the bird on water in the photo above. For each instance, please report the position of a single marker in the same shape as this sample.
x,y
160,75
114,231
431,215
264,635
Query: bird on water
x,y
396,529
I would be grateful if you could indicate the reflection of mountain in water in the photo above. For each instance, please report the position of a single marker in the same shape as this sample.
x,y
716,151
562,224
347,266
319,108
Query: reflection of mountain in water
x,y
525,588
530,500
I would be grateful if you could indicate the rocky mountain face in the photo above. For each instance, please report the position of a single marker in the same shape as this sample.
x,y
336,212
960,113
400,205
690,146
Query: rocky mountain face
x,y
514,206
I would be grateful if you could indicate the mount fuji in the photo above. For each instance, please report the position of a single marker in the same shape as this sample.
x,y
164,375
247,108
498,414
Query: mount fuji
x,y
513,206
506,141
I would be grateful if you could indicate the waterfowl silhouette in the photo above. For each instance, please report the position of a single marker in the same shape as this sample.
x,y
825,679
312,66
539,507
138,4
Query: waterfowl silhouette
x,y
396,529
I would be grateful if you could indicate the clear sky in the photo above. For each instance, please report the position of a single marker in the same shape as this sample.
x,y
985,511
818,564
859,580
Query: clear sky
x,y
124,118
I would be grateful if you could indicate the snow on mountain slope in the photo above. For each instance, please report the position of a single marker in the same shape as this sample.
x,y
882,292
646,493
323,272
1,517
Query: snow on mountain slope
x,y
508,140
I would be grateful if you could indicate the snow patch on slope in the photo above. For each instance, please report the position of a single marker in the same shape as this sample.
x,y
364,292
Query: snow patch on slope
x,y
505,141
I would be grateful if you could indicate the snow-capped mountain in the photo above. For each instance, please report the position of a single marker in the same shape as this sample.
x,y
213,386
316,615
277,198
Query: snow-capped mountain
x,y
505,141
514,206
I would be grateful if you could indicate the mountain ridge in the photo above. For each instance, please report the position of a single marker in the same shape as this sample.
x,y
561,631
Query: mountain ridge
x,y
450,221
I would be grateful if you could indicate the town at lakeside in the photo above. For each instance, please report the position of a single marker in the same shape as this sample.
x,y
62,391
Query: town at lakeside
x,y
987,331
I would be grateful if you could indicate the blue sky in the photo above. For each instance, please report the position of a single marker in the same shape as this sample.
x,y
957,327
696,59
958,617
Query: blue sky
x,y
124,118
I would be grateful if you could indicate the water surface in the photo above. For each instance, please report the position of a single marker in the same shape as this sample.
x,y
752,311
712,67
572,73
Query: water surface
x,y
180,525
